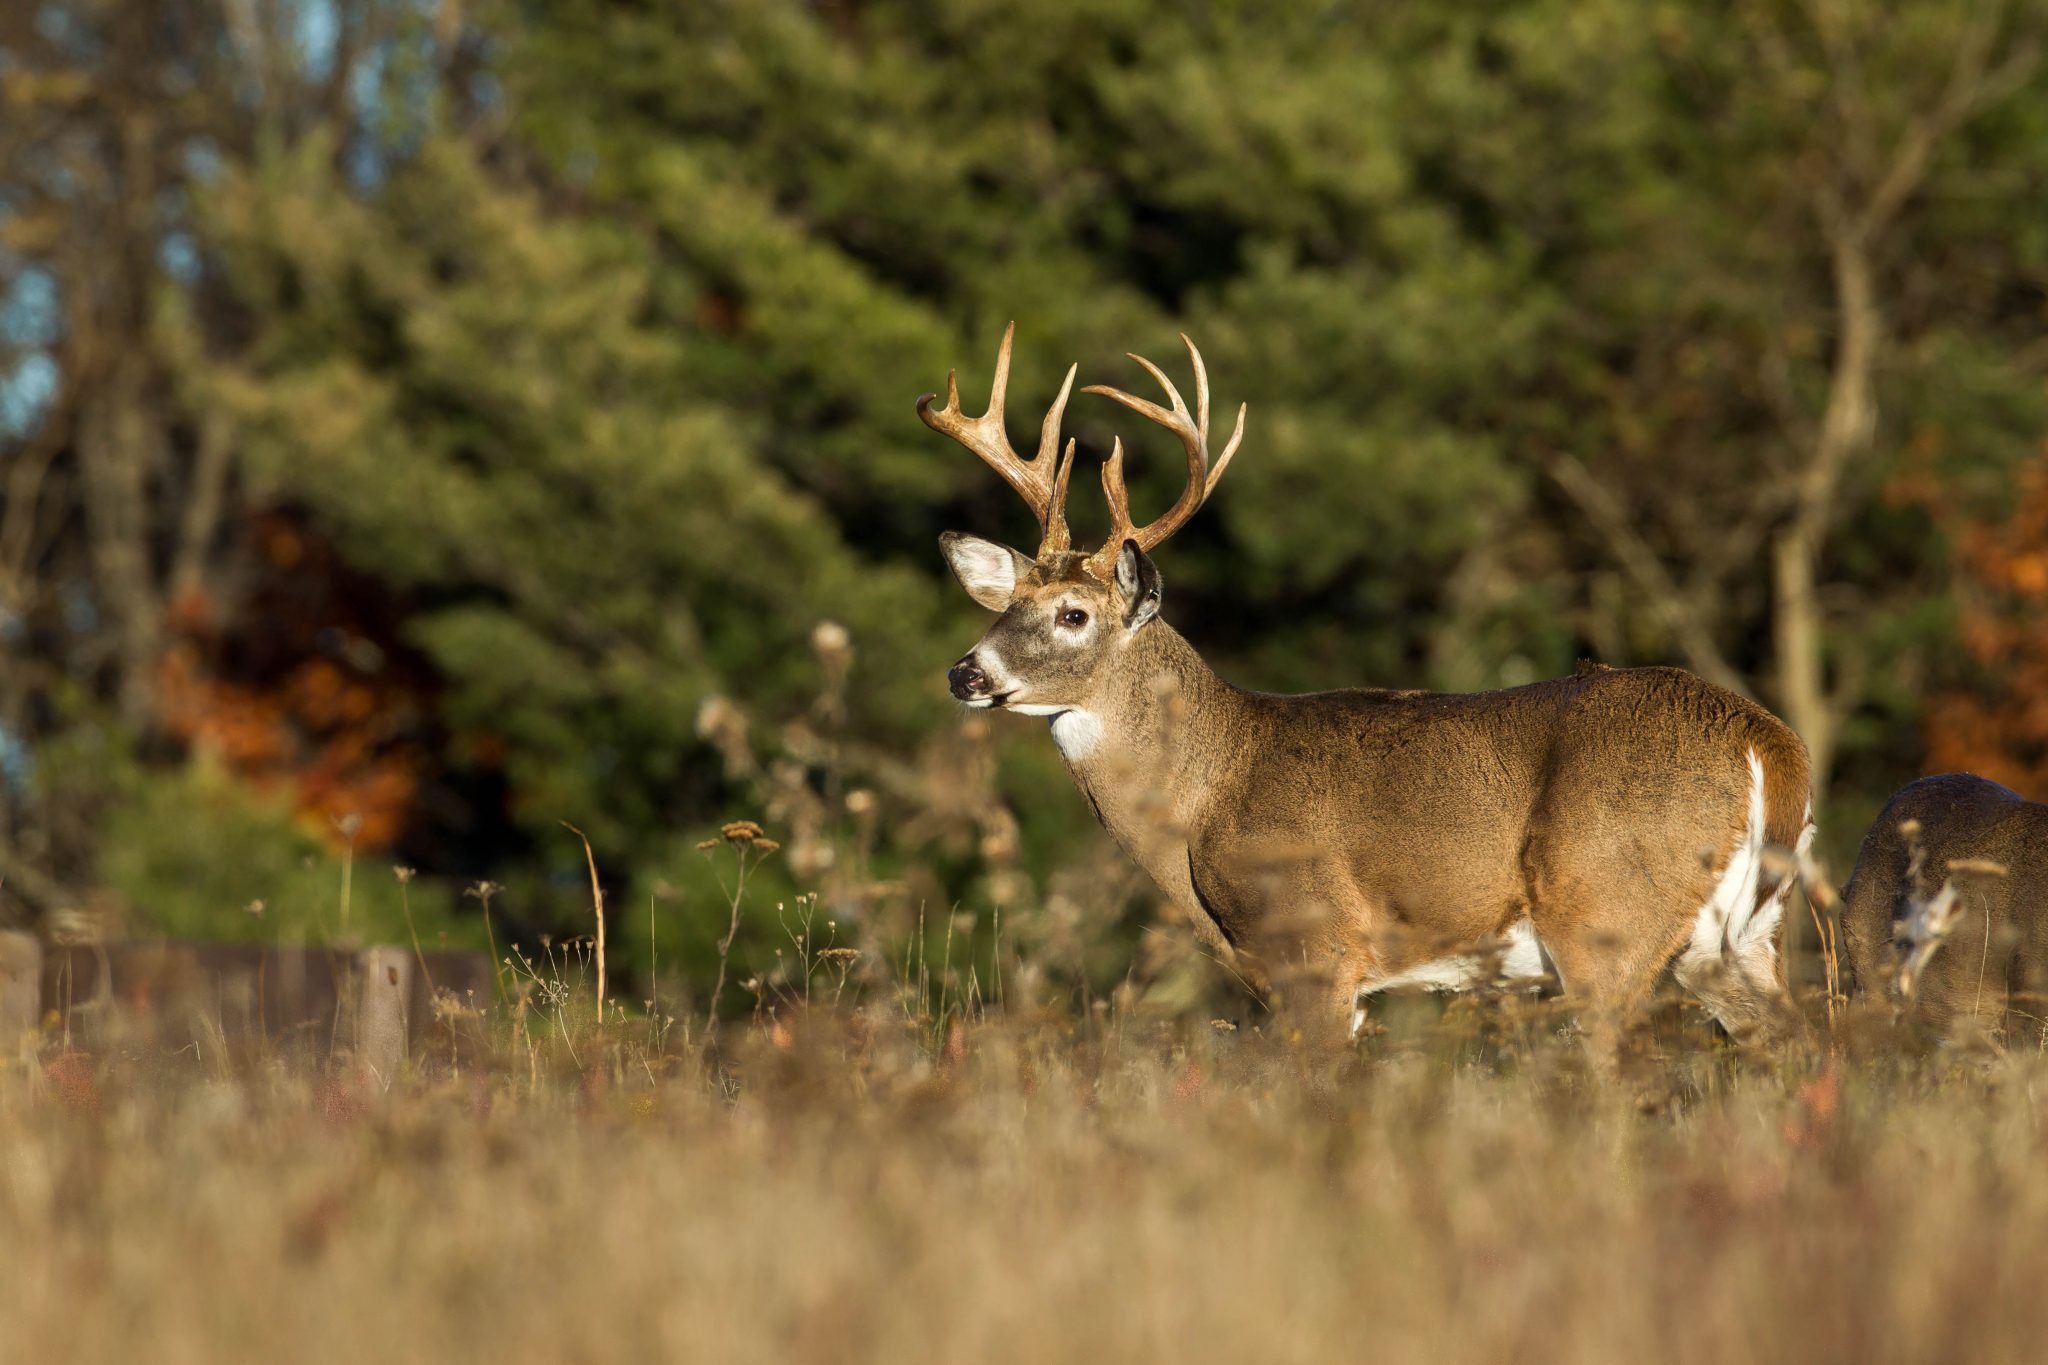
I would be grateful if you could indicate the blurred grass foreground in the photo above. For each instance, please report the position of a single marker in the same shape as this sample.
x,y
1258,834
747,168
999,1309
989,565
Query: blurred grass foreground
x,y
850,1183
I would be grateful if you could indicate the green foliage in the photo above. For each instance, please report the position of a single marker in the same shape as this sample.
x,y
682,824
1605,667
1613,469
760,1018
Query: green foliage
x,y
473,398
194,853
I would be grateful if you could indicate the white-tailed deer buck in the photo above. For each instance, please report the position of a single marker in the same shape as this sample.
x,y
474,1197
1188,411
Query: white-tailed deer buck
x,y
1615,819
1949,903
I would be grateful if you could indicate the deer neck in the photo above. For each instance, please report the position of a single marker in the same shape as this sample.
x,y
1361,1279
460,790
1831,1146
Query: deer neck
x,y
1142,747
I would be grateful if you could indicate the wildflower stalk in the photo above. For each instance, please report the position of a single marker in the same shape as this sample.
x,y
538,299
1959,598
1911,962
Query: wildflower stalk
x,y
742,835
483,891
597,907
405,876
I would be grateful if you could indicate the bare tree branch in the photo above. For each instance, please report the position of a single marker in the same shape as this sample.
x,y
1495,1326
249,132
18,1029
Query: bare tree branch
x,y
1854,228
1678,612
204,504
1971,88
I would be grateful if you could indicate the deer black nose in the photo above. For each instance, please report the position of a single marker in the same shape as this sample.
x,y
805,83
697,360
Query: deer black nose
x,y
966,679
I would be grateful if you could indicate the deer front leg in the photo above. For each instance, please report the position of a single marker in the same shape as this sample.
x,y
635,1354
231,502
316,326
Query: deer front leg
x,y
1299,931
1297,918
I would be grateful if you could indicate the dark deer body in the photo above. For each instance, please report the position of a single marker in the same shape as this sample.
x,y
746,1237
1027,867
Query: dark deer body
x,y
1615,820
1995,955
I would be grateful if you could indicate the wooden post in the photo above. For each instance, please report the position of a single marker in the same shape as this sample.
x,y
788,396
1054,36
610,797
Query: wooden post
x,y
21,989
382,1013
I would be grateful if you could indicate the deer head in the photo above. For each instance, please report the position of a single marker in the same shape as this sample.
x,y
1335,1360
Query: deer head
x,y
1065,613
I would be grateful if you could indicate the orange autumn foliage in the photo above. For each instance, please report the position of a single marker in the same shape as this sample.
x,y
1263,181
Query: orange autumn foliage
x,y
1999,727
267,695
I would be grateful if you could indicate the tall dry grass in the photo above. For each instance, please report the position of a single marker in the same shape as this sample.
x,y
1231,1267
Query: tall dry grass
x,y
911,1151
854,1184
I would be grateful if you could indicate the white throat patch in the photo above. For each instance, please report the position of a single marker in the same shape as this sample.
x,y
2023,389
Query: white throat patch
x,y
1077,733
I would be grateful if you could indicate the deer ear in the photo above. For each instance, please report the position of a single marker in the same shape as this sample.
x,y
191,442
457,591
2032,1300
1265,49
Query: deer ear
x,y
1137,578
988,571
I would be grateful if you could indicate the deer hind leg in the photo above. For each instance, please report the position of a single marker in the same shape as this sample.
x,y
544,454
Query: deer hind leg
x,y
1607,968
1731,962
1601,913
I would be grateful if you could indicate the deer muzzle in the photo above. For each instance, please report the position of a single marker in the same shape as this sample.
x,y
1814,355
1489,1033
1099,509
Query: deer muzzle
x,y
967,680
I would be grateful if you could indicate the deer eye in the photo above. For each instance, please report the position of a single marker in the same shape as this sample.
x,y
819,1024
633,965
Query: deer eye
x,y
1074,618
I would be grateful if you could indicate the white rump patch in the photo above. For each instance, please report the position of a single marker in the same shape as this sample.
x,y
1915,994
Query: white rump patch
x,y
1732,932
1077,732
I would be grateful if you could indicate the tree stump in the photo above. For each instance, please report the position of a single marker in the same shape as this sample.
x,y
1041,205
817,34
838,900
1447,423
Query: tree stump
x,y
383,1022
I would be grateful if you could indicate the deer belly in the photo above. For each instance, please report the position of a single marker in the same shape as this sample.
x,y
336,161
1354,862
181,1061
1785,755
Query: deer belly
x,y
1516,958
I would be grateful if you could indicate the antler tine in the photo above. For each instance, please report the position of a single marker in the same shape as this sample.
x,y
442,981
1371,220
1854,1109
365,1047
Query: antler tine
x,y
1193,431
1201,387
1229,449
1056,538
1144,407
1037,481
999,388
1119,499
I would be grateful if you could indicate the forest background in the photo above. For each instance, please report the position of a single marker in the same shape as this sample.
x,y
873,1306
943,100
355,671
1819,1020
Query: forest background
x,y
425,423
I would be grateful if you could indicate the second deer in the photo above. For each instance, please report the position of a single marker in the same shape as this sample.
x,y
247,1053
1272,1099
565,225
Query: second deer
x,y
1946,905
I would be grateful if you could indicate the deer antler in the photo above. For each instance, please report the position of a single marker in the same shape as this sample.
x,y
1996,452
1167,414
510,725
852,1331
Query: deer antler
x,y
1194,436
1040,481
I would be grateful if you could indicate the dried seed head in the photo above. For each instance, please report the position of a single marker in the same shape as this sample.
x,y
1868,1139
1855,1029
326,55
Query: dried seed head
x,y
832,645
404,875
718,719
811,858
740,832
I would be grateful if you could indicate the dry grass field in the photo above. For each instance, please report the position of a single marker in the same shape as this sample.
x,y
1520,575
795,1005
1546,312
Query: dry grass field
x,y
858,1183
